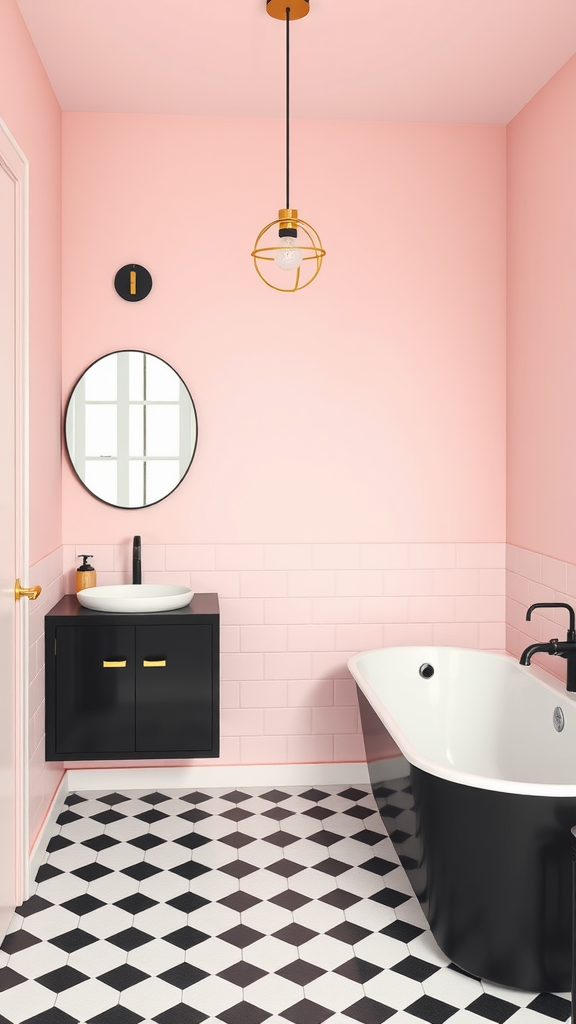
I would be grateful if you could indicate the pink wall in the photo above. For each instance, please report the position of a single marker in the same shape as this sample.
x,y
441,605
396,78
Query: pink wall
x,y
30,110
541,227
369,407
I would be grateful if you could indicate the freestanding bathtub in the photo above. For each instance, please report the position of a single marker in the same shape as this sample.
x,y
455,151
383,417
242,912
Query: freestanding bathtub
x,y
481,819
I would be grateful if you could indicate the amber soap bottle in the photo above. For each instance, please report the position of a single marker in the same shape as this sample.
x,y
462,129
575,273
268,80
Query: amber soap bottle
x,y
85,574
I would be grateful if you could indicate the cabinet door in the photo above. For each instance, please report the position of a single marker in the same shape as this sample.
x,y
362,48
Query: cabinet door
x,y
94,689
174,688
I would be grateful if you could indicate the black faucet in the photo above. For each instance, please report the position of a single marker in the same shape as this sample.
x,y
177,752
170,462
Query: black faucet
x,y
563,648
137,560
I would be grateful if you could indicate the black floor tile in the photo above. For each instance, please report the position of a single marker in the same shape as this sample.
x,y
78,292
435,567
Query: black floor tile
x,y
122,977
551,1006
492,1008
332,866
242,974
195,815
280,839
239,901
237,814
275,796
130,938
369,1011
295,934
151,816
67,817
300,972
434,1011
192,841
99,843
136,903
90,872
244,1013
188,902
180,1014
340,898
51,1016
16,941
353,794
189,870
155,798
314,795
183,975
114,798
241,936
195,798
32,906
325,838
358,812
368,837
82,905
107,817
73,798
61,979
402,931
238,869
46,871
278,813
237,840
186,937
140,871
389,898
290,900
57,843
415,968
285,867
9,978
306,1012
378,865
236,797
117,1015
348,932
358,970
319,812
146,842
73,940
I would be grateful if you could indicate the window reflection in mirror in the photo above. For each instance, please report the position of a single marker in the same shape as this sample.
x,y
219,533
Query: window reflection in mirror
x,y
131,429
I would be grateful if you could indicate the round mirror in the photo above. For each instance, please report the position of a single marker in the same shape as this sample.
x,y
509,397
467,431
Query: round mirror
x,y
131,429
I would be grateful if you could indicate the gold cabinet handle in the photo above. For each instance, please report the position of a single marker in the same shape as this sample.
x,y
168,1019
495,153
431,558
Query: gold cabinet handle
x,y
31,592
113,664
154,664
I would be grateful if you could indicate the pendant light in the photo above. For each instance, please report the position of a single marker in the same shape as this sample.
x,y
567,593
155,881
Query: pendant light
x,y
288,243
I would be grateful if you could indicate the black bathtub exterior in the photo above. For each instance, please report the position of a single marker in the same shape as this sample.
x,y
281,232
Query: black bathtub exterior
x,y
492,870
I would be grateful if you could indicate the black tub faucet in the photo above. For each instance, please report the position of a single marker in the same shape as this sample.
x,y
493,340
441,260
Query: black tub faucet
x,y
563,648
137,560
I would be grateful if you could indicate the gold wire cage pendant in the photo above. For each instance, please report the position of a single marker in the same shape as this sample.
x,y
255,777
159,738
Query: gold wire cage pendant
x,y
266,248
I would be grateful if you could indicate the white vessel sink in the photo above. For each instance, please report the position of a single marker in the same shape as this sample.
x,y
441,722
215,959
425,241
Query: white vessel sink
x,y
130,597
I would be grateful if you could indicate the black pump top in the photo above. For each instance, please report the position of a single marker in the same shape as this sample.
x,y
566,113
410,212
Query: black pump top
x,y
85,567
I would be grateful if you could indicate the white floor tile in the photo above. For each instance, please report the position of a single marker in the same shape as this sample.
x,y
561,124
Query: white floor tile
x,y
160,920
426,947
266,917
325,951
452,987
90,995
264,884
319,916
156,957
270,954
312,883
394,989
164,886
334,991
25,1000
97,958
37,960
212,995
150,997
50,922
61,888
113,887
381,950
370,914
214,919
213,955
273,993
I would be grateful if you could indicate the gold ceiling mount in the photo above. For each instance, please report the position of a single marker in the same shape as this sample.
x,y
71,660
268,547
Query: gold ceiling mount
x,y
277,9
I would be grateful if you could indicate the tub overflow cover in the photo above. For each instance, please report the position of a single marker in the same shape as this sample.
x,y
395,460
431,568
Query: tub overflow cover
x,y
426,670
558,719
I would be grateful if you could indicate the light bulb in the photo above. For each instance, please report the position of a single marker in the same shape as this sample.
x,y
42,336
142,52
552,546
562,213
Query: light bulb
x,y
289,257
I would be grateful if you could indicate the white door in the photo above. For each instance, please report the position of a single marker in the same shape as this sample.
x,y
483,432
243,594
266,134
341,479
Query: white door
x,y
13,525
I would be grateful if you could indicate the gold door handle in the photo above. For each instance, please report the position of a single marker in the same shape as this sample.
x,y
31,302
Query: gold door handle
x,y
154,664
113,664
31,592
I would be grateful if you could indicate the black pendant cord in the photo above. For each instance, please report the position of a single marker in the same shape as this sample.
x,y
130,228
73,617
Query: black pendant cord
x,y
287,108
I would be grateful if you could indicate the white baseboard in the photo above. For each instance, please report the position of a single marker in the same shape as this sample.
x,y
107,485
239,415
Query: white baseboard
x,y
46,832
217,776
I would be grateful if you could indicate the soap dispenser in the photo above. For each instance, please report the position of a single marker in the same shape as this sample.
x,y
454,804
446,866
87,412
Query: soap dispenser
x,y
85,574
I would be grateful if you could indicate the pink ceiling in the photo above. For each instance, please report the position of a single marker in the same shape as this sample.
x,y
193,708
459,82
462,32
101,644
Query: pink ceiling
x,y
403,60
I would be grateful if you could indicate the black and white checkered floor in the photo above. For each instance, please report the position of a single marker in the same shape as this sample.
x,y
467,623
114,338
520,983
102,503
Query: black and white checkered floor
x,y
283,905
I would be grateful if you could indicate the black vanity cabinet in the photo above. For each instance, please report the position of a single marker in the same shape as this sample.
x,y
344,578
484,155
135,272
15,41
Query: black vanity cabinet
x,y
132,685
